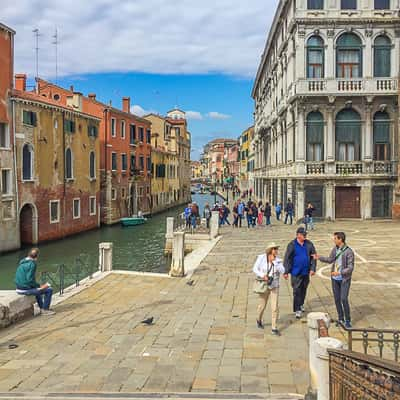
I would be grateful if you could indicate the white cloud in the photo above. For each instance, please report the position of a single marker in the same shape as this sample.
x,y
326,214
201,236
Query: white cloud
x,y
194,115
140,111
217,115
98,36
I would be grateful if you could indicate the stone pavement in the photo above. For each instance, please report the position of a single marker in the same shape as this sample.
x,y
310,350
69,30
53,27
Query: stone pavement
x,y
204,338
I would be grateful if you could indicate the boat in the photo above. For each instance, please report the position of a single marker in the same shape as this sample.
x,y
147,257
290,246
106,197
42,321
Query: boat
x,y
132,221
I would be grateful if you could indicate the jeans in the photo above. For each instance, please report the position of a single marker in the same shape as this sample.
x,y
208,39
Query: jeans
x,y
299,285
268,217
289,215
240,220
39,293
208,222
341,291
278,216
249,221
193,221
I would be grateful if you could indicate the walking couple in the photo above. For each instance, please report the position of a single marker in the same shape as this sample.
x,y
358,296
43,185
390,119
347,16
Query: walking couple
x,y
300,262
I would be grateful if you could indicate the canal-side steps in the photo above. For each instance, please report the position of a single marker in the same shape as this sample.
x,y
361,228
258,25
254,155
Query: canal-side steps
x,y
14,307
148,396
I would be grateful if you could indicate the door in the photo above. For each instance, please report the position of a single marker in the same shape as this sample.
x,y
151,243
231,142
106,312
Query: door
x,y
315,196
381,201
347,202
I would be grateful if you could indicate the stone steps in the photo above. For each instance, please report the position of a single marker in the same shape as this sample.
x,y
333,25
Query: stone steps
x,y
147,396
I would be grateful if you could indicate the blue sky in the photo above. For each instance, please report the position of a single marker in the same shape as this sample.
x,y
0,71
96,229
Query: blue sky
x,y
200,56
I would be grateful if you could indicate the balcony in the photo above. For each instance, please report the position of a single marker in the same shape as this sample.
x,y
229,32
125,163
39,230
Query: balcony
x,y
317,168
386,86
351,168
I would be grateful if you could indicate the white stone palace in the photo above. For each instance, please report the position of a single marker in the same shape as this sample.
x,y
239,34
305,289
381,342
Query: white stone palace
x,y
326,107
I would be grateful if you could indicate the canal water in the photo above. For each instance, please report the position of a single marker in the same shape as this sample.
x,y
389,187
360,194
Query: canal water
x,y
137,248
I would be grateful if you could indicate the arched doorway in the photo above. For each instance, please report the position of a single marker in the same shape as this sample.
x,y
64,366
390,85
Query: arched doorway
x,y
28,224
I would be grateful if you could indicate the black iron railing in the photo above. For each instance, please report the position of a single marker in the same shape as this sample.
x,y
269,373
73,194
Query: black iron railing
x,y
385,342
67,275
362,377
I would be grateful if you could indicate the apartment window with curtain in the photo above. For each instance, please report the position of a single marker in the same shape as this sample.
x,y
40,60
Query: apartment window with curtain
x,y
133,163
349,56
114,161
315,4
6,184
315,57
69,167
315,136
124,162
27,162
4,136
348,4
148,136
348,136
141,134
382,56
382,4
132,134
113,127
141,163
92,165
381,136
123,129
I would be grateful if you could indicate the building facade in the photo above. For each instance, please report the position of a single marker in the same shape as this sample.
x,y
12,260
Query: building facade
x,y
231,164
57,162
125,157
9,228
197,170
326,111
246,159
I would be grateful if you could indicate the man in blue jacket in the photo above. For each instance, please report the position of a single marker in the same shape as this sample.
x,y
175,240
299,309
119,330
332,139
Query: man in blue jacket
x,y
25,281
300,264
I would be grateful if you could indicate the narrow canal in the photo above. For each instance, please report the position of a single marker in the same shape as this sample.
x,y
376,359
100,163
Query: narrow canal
x,y
138,248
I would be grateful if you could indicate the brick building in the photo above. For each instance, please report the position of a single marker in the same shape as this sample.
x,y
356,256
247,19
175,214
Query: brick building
x,y
9,236
125,156
57,162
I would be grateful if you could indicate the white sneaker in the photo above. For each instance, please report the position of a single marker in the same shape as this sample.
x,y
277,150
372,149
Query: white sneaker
x,y
298,314
302,308
48,312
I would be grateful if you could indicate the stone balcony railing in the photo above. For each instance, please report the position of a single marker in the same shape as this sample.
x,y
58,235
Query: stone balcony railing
x,y
337,86
352,168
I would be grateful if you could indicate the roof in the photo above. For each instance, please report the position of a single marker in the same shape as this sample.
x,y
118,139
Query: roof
x,y
215,141
176,109
39,100
6,28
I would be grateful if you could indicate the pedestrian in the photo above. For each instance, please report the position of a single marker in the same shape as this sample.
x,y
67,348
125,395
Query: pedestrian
x,y
260,213
268,268
207,215
278,211
241,208
187,212
250,192
249,214
268,213
225,211
289,212
193,215
308,217
342,260
300,264
235,212
26,284
254,215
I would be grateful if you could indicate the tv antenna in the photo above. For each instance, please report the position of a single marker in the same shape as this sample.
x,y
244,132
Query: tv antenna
x,y
56,43
37,34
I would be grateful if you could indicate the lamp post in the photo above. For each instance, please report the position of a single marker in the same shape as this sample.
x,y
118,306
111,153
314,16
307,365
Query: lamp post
x,y
215,187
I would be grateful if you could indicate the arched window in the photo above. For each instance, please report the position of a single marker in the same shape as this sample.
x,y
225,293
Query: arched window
x,y
348,56
382,62
315,57
381,136
315,136
92,165
69,168
27,162
315,4
348,135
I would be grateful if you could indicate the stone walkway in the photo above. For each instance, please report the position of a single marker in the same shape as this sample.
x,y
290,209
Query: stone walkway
x,y
204,338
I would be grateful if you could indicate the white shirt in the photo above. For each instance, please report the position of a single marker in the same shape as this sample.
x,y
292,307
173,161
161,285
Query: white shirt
x,y
261,267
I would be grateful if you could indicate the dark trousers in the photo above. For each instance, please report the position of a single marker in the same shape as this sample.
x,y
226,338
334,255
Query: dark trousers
x,y
289,215
40,294
299,285
240,220
341,290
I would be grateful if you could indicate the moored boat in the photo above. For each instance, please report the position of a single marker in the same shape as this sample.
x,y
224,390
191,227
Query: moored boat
x,y
132,221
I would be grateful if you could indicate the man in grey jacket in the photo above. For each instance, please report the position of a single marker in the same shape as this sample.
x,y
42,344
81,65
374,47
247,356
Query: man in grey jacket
x,y
342,260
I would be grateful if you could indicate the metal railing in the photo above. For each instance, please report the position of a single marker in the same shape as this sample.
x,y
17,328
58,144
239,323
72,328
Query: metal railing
x,y
362,377
67,275
181,225
375,339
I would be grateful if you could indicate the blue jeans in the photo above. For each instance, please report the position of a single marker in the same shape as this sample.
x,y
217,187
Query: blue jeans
x,y
39,294
278,216
193,221
309,223
289,215
268,220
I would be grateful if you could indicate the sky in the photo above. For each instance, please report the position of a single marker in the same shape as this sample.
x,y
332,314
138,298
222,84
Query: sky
x,y
201,56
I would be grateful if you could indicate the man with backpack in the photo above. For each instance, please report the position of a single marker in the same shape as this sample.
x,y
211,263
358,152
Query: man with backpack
x,y
289,212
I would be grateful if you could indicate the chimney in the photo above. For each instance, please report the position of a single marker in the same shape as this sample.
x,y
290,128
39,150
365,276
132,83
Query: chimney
x,y
20,82
92,96
126,104
71,88
75,101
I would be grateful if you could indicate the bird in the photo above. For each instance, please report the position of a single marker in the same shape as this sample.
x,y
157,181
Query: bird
x,y
148,321
190,283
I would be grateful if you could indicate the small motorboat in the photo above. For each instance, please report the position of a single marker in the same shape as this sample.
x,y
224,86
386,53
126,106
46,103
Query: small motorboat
x,y
132,221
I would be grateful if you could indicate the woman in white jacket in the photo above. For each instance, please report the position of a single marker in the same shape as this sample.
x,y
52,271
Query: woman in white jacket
x,y
268,268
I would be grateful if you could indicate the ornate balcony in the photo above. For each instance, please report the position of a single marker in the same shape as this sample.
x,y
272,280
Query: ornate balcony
x,y
315,168
349,168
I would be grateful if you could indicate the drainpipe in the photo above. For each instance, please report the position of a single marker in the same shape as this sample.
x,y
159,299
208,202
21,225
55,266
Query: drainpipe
x,y
104,202
15,171
64,159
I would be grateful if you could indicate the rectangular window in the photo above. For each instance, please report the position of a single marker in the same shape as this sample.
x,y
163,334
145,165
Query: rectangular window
x,y
114,161
6,181
178,131
315,4
315,63
69,126
92,131
132,134
148,136
141,134
141,163
348,63
29,118
314,152
8,210
123,193
113,127
123,129
382,4
76,208
133,163
148,162
346,152
381,151
113,194
92,205
124,162
348,4
54,207
4,136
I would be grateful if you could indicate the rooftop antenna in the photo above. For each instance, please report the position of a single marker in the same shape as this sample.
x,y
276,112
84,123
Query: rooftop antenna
x,y
56,42
37,34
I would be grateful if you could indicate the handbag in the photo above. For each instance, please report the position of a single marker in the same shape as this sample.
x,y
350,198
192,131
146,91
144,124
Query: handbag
x,y
261,286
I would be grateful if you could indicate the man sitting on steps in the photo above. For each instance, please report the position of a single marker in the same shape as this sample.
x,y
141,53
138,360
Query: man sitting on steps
x,y
25,281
